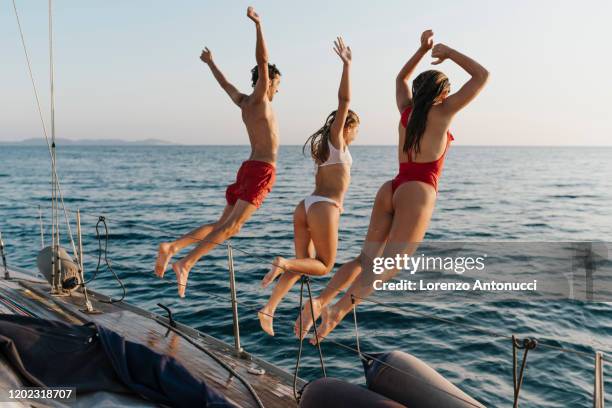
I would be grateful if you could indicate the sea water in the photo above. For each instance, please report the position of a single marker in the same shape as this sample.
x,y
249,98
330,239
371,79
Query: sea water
x,y
151,194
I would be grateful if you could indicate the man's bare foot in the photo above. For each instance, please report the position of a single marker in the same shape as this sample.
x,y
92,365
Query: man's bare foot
x,y
330,317
306,315
182,273
277,269
266,320
164,253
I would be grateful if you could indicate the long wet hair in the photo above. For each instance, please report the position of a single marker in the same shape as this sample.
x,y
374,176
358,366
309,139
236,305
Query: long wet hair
x,y
318,141
427,89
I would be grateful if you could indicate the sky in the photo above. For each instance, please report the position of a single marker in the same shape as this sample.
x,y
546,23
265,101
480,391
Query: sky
x,y
131,70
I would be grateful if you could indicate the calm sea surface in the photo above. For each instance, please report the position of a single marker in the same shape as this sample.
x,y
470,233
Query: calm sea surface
x,y
150,194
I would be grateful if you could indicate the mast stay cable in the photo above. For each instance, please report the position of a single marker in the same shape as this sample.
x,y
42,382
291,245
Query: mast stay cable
x,y
50,144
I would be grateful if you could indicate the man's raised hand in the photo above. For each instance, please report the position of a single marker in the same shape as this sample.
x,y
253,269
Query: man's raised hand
x,y
206,55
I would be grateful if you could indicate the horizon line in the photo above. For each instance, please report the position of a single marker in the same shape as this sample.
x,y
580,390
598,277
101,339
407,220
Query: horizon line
x,y
18,143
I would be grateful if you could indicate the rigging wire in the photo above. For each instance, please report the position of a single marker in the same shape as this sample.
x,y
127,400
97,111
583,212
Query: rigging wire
x,y
349,348
361,354
492,333
212,355
50,146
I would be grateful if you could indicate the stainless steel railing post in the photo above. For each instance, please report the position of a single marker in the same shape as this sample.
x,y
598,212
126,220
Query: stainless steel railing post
x,y
6,272
598,393
232,281
88,307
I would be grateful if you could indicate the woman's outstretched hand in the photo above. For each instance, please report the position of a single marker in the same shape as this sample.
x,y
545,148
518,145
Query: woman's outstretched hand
x,y
441,52
343,51
252,14
427,40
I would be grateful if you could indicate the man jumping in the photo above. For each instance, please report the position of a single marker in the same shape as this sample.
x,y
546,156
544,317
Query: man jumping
x,y
255,177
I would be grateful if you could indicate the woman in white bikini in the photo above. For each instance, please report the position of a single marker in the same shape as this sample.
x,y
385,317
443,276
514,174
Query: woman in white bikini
x,y
316,218
403,206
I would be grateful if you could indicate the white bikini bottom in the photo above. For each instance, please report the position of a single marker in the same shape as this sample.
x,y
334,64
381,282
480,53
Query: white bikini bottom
x,y
311,199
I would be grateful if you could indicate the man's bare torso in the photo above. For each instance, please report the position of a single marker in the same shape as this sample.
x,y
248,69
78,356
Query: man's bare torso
x,y
261,125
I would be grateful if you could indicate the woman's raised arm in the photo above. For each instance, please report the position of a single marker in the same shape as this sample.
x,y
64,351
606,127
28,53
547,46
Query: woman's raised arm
x,y
471,88
344,94
403,93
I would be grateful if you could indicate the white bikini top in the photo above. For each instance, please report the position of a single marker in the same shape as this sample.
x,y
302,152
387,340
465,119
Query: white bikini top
x,y
337,156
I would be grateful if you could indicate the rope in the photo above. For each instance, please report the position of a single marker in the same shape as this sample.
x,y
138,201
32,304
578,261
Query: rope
x,y
102,220
16,307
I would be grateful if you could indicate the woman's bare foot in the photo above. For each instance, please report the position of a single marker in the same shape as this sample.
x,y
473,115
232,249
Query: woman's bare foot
x,y
278,267
164,253
330,317
182,273
306,316
266,320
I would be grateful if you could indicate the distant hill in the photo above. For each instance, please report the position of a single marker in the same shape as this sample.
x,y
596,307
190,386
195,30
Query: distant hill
x,y
39,141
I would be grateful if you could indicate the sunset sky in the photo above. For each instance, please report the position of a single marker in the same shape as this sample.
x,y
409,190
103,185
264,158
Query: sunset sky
x,y
131,70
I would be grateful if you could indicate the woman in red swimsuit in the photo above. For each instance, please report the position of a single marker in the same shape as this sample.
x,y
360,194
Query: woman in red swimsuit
x,y
404,205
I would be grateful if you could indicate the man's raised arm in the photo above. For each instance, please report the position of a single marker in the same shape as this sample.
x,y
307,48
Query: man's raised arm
x,y
261,56
231,90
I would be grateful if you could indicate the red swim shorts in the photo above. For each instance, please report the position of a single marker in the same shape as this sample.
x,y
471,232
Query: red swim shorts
x,y
253,183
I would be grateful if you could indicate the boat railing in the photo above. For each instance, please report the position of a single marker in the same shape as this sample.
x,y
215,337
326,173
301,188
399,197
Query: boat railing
x,y
525,344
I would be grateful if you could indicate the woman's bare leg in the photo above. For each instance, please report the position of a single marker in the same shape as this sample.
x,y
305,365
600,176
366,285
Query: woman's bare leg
x,y
341,279
303,249
322,222
167,250
413,205
380,223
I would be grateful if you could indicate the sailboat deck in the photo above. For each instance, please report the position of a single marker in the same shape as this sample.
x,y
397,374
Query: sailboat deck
x,y
274,386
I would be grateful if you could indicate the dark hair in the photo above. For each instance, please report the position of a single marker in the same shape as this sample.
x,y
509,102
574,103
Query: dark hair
x,y
426,90
272,73
319,147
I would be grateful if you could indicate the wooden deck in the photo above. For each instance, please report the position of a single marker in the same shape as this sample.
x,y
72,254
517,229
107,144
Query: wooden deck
x,y
274,387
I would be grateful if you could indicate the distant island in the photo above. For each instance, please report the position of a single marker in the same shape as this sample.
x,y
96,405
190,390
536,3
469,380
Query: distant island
x,y
39,141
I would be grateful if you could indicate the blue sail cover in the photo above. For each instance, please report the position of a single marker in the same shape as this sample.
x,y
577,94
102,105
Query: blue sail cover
x,y
47,353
